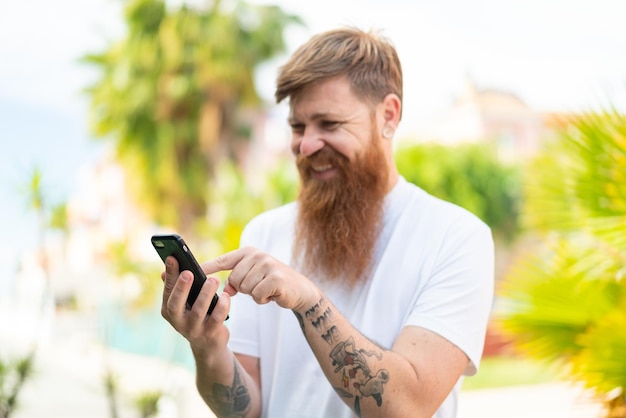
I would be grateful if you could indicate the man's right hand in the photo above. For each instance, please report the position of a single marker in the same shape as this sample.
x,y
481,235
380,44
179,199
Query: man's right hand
x,y
205,333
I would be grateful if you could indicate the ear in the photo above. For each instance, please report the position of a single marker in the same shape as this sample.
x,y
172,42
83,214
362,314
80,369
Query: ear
x,y
391,110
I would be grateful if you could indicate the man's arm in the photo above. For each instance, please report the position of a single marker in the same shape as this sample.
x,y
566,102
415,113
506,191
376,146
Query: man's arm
x,y
229,384
412,378
235,394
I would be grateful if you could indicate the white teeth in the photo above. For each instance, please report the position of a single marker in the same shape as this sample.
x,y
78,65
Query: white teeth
x,y
321,168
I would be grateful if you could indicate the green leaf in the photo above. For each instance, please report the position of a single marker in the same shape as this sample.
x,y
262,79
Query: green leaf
x,y
566,299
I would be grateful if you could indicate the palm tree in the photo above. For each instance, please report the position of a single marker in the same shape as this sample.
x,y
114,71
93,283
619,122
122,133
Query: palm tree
x,y
171,96
566,301
36,199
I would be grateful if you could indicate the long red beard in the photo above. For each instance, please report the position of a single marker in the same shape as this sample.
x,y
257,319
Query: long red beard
x,y
339,220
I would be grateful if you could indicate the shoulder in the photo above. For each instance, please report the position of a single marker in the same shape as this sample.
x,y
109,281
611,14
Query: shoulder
x,y
435,213
274,217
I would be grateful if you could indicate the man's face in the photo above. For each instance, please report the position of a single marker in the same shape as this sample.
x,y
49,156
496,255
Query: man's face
x,y
344,177
328,114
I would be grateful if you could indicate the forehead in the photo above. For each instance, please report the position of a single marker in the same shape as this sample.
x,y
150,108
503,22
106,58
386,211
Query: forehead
x,y
333,96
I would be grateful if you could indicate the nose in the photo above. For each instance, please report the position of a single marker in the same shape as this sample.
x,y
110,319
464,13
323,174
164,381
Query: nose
x,y
310,143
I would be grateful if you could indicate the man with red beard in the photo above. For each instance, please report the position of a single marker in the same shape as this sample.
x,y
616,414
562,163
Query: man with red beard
x,y
367,297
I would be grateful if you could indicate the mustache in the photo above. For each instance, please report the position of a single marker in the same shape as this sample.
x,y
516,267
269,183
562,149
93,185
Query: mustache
x,y
325,156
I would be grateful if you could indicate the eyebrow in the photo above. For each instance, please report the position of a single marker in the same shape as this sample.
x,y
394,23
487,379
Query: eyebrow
x,y
316,116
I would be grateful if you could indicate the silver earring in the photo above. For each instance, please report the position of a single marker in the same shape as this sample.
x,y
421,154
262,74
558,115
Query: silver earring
x,y
387,132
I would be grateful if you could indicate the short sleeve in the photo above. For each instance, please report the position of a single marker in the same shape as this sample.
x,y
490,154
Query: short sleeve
x,y
243,321
457,299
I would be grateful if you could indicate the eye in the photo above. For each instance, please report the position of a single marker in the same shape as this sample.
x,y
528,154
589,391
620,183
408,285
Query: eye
x,y
297,128
330,125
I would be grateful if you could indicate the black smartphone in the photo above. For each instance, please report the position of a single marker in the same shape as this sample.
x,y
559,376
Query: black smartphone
x,y
174,245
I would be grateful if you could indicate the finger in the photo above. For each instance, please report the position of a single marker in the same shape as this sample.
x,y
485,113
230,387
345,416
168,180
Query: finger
x,y
171,267
228,288
224,262
220,313
245,275
174,307
205,299
266,288
169,277
249,274
201,306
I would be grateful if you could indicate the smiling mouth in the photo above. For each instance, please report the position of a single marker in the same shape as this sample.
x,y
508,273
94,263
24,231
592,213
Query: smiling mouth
x,y
322,168
324,165
323,172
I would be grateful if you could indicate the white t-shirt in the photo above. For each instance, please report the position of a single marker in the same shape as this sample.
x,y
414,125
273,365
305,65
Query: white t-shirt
x,y
434,270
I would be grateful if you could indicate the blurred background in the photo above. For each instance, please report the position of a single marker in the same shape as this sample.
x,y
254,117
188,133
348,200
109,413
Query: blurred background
x,y
121,119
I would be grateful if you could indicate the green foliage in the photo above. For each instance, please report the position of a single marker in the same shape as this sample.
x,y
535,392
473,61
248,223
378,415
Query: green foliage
x,y
49,217
506,371
124,264
111,387
601,362
13,376
171,93
33,190
579,183
147,404
469,175
59,217
567,300
241,199
555,294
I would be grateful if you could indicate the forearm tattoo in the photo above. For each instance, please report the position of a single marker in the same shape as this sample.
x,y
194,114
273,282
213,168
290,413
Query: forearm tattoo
x,y
351,363
231,401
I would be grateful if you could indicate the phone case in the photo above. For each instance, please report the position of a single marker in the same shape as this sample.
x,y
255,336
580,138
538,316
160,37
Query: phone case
x,y
174,245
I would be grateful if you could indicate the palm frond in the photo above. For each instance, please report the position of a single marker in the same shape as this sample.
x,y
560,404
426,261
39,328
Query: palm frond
x,y
567,300
553,296
601,363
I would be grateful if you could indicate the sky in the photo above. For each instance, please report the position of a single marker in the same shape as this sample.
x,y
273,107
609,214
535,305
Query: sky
x,y
556,55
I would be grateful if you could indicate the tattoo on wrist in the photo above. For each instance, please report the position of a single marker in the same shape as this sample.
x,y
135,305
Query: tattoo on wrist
x,y
319,316
234,400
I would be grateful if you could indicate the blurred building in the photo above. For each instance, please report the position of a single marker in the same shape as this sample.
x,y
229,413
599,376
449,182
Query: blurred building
x,y
490,115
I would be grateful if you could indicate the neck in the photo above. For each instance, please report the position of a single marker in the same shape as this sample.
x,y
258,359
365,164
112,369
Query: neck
x,y
392,177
